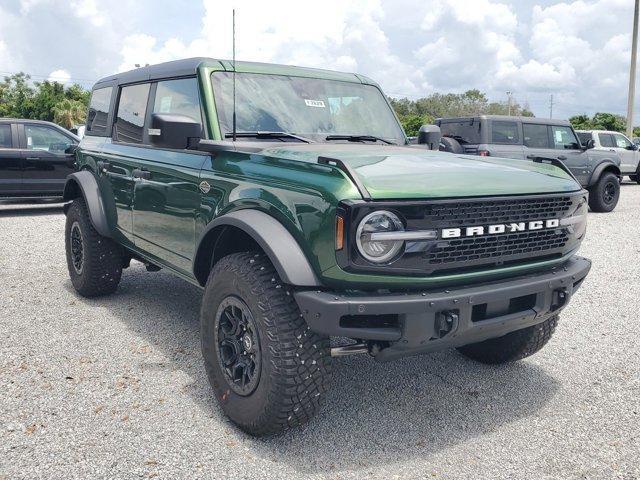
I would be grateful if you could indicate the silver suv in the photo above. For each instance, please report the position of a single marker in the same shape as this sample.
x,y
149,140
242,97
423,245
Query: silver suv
x,y
609,141
541,140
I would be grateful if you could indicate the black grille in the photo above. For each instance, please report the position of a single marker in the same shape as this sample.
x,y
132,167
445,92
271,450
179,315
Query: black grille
x,y
496,211
498,246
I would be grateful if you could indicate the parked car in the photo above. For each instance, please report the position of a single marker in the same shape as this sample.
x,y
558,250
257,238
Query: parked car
x,y
299,208
530,138
617,142
35,158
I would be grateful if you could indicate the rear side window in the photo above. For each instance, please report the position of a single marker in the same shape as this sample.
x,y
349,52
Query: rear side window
x,y
5,136
564,138
178,97
535,136
132,109
99,111
606,140
505,132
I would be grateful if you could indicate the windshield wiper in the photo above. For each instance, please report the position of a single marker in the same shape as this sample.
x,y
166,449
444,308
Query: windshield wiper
x,y
359,138
268,135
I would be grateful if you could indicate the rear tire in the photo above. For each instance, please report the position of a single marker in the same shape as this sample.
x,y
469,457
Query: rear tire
x,y
94,262
268,370
604,195
450,145
513,346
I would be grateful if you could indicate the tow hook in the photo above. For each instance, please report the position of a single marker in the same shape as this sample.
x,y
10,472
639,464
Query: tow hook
x,y
446,322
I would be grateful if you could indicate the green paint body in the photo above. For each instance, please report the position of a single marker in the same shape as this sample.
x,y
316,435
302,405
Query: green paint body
x,y
163,219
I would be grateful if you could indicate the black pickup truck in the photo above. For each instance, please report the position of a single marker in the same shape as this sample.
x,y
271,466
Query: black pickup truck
x,y
35,158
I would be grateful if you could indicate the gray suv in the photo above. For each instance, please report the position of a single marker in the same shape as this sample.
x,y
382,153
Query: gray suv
x,y
537,139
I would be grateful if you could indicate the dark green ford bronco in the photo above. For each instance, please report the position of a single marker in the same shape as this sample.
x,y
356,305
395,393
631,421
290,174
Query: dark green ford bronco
x,y
292,197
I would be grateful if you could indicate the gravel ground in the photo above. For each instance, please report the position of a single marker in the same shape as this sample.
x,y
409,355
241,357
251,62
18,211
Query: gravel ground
x,y
115,387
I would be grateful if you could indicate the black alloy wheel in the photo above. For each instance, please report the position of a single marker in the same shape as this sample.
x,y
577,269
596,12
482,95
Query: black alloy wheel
x,y
238,345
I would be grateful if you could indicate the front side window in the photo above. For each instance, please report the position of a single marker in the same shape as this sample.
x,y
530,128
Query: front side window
x,y
309,107
46,139
535,136
606,140
5,136
132,110
178,97
621,141
505,132
99,111
564,138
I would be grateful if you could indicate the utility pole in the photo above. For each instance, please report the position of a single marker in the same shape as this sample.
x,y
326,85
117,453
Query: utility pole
x,y
551,106
632,71
509,100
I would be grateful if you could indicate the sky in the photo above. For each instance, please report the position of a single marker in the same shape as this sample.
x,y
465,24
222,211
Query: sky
x,y
578,51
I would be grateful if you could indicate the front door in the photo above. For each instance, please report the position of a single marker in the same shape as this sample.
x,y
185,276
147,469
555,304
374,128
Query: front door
x,y
626,150
568,150
10,161
49,157
167,194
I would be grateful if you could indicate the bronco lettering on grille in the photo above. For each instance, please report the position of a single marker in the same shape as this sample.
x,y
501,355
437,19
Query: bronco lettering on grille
x,y
499,228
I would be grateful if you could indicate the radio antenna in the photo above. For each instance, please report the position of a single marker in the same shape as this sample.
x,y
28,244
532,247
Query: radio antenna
x,y
234,71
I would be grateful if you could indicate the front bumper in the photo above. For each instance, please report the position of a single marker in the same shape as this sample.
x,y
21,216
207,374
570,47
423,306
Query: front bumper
x,y
409,324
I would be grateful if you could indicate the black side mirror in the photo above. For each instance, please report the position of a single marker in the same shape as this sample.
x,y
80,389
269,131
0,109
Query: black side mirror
x,y
633,146
170,130
71,148
591,143
430,135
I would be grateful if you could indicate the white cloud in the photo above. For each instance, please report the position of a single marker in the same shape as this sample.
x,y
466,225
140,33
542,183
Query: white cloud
x,y
60,76
576,49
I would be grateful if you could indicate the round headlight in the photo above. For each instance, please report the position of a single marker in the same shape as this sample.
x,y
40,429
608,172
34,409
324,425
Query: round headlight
x,y
378,250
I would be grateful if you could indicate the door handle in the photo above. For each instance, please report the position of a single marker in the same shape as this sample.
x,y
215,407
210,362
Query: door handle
x,y
141,174
562,157
103,166
32,158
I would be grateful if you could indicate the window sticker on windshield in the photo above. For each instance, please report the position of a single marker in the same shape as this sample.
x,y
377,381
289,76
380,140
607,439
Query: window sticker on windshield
x,y
314,103
165,104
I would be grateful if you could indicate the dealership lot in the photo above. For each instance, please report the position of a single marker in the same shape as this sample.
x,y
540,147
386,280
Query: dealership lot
x,y
116,387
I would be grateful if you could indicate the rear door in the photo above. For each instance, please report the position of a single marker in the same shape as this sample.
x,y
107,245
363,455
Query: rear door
x,y
506,139
537,141
167,195
48,157
626,151
10,160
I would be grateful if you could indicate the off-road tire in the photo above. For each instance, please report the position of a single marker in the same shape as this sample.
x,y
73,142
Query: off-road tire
x,y
295,363
599,193
512,346
102,258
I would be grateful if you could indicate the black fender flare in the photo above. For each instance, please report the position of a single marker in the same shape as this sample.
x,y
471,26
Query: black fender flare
x,y
275,240
602,166
84,184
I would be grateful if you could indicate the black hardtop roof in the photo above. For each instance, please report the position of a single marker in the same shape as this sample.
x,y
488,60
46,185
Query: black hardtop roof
x,y
537,120
189,66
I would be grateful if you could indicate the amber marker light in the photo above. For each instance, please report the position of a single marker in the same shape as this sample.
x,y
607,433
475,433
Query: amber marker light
x,y
339,233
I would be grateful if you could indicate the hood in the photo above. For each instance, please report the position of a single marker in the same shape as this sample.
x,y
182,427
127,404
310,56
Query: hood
x,y
399,172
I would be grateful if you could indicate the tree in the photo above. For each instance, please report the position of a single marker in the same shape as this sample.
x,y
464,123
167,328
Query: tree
x,y
21,98
414,113
68,113
600,121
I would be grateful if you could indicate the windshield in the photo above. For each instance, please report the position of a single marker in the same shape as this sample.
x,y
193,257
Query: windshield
x,y
308,107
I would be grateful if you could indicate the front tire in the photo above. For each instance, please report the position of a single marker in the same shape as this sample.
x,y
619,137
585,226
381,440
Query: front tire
x,y
512,346
94,262
268,370
604,195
